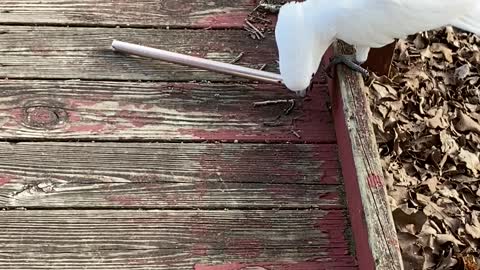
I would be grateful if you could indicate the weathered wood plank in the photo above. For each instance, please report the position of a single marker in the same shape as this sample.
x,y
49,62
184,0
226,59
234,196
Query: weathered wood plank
x,y
142,13
171,239
315,265
85,53
53,175
372,222
85,110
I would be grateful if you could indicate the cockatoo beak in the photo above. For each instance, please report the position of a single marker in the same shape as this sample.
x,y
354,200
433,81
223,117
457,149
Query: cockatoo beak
x,y
300,47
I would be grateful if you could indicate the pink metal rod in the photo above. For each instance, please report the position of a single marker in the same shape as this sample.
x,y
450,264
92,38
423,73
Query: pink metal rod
x,y
182,59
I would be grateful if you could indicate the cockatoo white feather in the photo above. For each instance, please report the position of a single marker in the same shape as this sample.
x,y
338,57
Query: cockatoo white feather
x,y
306,29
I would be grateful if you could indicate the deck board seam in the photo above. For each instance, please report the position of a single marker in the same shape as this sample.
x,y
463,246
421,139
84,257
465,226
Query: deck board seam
x,y
122,25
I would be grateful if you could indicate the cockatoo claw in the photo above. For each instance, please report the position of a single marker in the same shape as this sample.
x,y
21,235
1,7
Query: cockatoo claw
x,y
347,60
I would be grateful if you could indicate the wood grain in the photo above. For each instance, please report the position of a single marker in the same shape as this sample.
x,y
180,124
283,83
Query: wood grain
x,y
141,13
170,239
372,222
58,175
85,110
85,53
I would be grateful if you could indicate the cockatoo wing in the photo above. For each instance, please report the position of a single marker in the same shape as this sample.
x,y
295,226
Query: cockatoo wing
x,y
471,21
375,23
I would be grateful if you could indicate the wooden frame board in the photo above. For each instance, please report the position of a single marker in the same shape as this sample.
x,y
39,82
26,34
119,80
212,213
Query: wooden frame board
x,y
373,227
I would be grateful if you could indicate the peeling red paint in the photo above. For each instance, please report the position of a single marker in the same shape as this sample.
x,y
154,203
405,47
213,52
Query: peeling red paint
x,y
199,229
275,266
137,119
200,249
334,224
201,188
394,242
5,179
375,181
277,169
87,128
330,196
74,117
42,116
18,114
357,215
228,19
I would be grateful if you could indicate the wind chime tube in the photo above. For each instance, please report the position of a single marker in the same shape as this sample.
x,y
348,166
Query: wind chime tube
x,y
192,61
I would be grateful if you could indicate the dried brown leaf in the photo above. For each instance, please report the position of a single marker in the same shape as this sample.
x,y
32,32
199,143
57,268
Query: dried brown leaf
x,y
443,48
411,223
471,160
466,123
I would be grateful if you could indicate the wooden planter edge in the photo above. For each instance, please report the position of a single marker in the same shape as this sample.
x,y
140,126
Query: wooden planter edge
x,y
374,232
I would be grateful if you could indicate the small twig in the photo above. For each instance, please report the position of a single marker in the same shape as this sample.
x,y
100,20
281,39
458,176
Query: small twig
x,y
287,111
258,6
263,67
261,19
254,34
290,109
272,124
296,134
254,28
237,58
271,102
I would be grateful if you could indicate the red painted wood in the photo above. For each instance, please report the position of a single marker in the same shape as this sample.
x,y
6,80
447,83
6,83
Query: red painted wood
x,y
277,266
167,240
126,13
170,175
357,216
159,111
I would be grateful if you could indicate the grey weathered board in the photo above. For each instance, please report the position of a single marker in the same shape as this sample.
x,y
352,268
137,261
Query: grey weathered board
x,y
161,239
208,176
85,53
106,110
141,13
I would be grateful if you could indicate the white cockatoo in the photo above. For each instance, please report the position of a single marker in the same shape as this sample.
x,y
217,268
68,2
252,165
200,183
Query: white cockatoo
x,y
306,29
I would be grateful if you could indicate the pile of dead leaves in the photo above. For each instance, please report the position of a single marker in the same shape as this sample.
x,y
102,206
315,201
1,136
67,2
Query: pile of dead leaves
x,y
427,123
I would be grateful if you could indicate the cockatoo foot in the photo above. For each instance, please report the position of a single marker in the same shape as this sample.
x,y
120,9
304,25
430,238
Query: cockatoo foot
x,y
349,61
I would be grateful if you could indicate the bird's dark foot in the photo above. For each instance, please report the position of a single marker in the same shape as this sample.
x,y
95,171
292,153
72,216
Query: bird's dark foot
x,y
349,61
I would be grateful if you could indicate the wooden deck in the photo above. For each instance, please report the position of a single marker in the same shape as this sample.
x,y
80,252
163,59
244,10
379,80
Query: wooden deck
x,y
116,162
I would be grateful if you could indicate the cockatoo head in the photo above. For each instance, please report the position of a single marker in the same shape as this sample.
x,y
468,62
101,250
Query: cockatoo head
x,y
300,45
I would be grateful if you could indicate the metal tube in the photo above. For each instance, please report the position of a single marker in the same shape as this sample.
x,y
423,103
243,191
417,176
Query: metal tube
x,y
182,59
